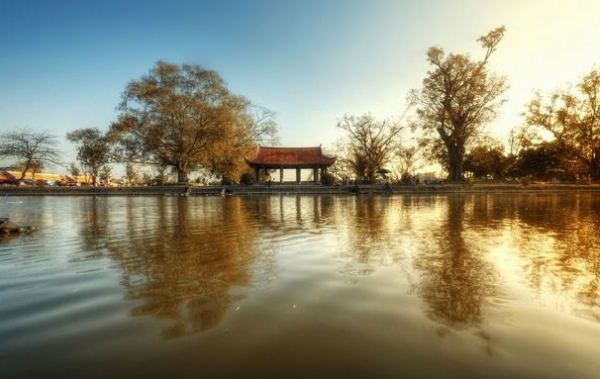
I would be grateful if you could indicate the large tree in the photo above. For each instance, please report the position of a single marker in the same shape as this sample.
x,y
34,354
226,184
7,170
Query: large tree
x,y
370,143
572,116
31,148
93,150
185,118
458,98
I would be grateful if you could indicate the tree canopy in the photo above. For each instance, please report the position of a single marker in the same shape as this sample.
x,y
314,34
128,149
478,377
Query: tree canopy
x,y
572,116
458,98
185,118
486,160
93,150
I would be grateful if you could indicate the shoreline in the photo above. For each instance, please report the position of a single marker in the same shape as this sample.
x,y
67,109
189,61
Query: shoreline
x,y
295,189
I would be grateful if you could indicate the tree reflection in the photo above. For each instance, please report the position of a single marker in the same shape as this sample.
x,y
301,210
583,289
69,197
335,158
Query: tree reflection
x,y
562,248
371,237
490,211
456,281
555,235
95,218
368,226
181,259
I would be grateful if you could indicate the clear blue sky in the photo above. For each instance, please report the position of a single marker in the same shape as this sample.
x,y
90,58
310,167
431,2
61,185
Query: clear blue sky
x,y
64,64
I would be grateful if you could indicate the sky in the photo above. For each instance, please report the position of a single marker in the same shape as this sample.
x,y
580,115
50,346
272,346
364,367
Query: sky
x,y
64,64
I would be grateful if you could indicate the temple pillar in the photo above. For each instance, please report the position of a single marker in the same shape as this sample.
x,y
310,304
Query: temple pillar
x,y
256,174
298,175
281,175
316,174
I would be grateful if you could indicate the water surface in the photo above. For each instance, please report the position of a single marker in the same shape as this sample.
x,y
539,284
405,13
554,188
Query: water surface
x,y
448,286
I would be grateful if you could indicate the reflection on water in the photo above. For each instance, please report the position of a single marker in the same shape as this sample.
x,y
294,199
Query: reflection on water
x,y
559,241
456,280
180,261
321,284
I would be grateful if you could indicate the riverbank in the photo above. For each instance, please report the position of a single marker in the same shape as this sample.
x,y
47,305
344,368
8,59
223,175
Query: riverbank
x,y
292,189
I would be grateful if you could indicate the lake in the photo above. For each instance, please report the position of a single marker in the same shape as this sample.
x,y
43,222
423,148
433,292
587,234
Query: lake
x,y
403,286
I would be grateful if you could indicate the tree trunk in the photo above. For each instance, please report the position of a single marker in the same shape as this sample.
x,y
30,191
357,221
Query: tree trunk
x,y
24,172
370,176
456,154
182,171
595,164
181,175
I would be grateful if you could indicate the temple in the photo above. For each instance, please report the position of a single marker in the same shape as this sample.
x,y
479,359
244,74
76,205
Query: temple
x,y
267,159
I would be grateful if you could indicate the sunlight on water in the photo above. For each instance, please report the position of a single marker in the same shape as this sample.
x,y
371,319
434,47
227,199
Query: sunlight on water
x,y
449,286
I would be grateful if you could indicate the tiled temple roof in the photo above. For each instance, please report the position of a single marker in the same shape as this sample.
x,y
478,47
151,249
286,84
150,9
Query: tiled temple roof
x,y
289,157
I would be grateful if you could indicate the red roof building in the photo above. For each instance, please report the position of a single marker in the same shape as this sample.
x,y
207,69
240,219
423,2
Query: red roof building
x,y
266,159
8,178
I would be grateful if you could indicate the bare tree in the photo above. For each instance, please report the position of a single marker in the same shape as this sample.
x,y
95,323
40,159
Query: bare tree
x,y
29,147
410,157
370,143
262,128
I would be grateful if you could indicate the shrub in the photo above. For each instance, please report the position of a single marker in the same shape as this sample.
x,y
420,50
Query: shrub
x,y
406,178
327,179
247,179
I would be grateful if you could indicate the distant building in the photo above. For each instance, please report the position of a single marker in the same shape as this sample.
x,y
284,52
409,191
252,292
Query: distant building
x,y
50,177
427,178
7,178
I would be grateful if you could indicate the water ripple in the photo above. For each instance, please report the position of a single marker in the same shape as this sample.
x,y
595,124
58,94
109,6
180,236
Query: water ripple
x,y
420,286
